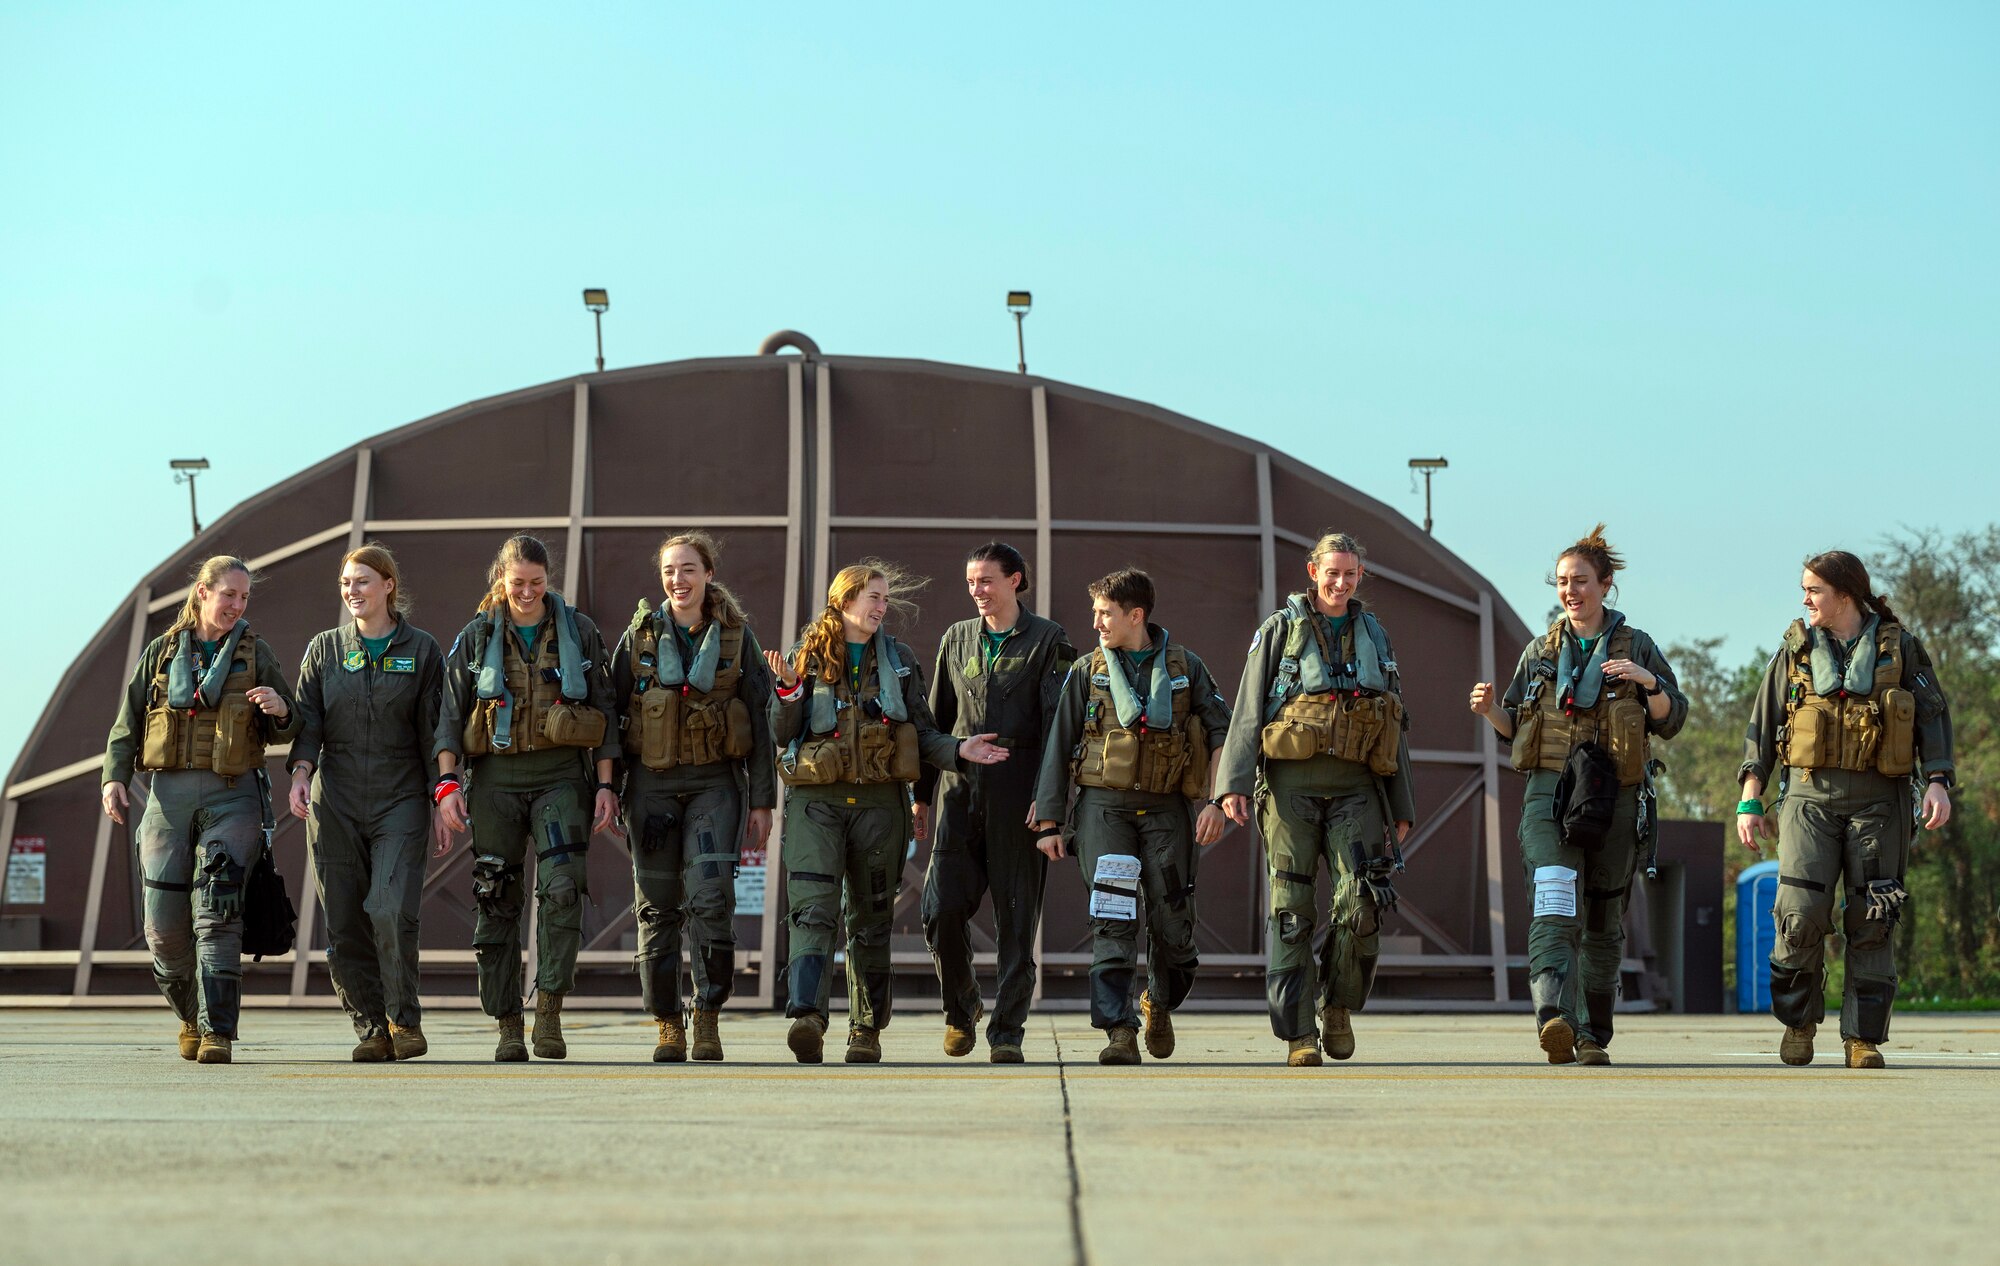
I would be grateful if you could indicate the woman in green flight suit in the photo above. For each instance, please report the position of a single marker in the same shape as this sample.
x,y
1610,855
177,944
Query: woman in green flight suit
x,y
205,698
528,709
853,726
697,741
1593,680
368,695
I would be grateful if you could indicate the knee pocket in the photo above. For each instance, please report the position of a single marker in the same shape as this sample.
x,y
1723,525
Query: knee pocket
x,y
1802,928
1869,934
814,914
872,935
1294,927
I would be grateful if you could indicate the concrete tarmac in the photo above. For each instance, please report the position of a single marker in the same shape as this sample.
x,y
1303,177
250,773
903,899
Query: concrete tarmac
x,y
1446,1139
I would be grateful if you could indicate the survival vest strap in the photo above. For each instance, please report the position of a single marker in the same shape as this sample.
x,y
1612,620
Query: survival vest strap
x,y
1305,637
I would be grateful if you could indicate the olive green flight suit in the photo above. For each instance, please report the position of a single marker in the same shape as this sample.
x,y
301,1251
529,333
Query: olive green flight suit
x,y
1839,831
853,836
1324,809
1158,829
522,800
1575,958
366,727
980,838
685,826
197,839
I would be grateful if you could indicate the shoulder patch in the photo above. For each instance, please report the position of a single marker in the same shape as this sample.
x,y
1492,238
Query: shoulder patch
x,y
1257,638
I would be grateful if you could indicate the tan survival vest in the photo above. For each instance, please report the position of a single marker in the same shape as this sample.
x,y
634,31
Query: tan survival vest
x,y
1352,725
1876,731
1163,761
544,718
667,726
860,748
228,739
1545,733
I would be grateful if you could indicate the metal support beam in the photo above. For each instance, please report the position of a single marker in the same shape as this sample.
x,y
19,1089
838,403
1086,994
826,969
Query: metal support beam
x,y
1496,892
93,903
1267,589
795,509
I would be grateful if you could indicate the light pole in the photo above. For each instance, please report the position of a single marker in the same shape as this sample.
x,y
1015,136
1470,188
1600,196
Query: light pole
x,y
1430,466
598,301
185,469
1018,303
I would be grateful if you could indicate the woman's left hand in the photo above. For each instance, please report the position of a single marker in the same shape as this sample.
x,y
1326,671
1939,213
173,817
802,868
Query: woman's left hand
x,y
1626,670
758,829
268,701
1937,806
607,813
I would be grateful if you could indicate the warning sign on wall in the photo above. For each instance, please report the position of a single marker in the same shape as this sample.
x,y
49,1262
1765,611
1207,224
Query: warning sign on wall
x,y
28,871
750,879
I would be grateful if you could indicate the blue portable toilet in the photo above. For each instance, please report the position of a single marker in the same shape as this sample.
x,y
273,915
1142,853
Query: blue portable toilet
x,y
1756,936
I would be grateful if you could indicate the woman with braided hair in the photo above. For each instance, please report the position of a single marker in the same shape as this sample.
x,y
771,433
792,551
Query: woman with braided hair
x,y
1849,717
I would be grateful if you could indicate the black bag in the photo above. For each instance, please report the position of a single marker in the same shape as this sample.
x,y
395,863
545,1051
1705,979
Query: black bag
x,y
270,924
1586,796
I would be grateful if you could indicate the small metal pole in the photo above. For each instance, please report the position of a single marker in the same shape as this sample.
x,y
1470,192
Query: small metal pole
x,y
599,317
194,516
1427,503
1021,341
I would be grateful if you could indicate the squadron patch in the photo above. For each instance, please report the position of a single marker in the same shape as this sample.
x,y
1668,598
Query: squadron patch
x,y
355,661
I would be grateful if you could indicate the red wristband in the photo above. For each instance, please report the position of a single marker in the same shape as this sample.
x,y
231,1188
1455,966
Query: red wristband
x,y
444,788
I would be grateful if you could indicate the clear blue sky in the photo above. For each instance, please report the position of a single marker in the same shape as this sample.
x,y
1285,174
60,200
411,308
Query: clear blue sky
x,y
1722,275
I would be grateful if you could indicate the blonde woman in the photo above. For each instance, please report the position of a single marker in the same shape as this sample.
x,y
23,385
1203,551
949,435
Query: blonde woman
x,y
529,714
368,697
853,728
699,778
205,698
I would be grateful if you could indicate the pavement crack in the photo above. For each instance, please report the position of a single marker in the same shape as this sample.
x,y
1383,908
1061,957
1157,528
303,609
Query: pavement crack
x,y
1080,1250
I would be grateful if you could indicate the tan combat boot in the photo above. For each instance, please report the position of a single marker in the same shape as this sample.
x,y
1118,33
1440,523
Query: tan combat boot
x,y
959,1041
672,1047
1123,1048
1589,1052
1336,1032
190,1039
409,1043
549,1042
864,1045
707,1036
807,1038
1559,1040
1303,1052
374,1050
1159,1027
511,1049
1796,1046
1862,1054
214,1049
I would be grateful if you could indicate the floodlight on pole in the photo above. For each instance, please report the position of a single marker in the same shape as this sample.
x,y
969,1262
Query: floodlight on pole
x,y
1018,303
1429,466
185,469
598,301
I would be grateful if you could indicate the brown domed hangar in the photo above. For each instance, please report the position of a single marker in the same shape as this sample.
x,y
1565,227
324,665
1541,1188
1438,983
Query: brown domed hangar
x,y
801,462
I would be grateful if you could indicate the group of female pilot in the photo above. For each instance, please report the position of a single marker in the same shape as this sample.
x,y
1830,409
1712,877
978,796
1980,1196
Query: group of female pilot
x,y
531,736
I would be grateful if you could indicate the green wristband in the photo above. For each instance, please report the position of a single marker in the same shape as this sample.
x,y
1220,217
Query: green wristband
x,y
1750,806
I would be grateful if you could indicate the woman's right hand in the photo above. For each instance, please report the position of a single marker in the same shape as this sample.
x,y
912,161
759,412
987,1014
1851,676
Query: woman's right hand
x,y
782,669
301,794
1484,696
116,802
1237,806
1751,825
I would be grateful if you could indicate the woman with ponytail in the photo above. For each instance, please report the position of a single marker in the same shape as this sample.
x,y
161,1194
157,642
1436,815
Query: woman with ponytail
x,y
528,712
853,727
695,691
1587,699
1851,720
205,699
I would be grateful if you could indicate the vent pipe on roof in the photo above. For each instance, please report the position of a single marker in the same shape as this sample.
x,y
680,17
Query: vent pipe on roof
x,y
789,338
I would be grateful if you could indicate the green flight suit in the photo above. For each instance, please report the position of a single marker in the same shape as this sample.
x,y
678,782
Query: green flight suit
x,y
851,836
1839,831
980,838
1156,828
1323,809
1576,931
521,800
685,827
366,725
197,839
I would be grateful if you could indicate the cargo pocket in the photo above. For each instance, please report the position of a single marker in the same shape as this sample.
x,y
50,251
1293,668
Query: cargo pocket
x,y
658,711
1289,740
234,752
1626,737
1527,751
877,750
1809,742
1194,779
736,733
1385,753
819,761
161,748
573,725
906,763
1897,754
1121,759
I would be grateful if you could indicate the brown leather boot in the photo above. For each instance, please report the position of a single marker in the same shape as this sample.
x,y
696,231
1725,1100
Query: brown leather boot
x,y
1123,1047
190,1039
511,1049
1336,1032
807,1038
1589,1052
374,1050
409,1043
1303,1052
1159,1027
214,1049
1796,1046
1559,1040
959,1041
707,1036
1862,1054
864,1045
672,1047
549,1042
